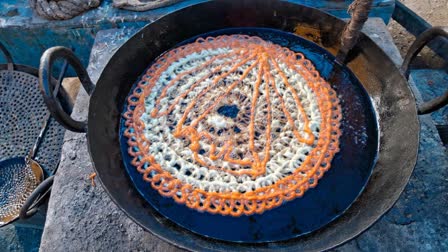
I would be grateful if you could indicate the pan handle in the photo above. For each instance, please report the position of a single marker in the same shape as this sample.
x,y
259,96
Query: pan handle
x,y
46,85
422,40
7,56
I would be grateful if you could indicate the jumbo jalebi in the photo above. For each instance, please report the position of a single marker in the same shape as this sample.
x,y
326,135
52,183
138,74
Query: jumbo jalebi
x,y
232,125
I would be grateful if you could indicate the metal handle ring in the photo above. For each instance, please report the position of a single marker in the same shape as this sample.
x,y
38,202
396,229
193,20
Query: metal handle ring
x,y
420,42
46,85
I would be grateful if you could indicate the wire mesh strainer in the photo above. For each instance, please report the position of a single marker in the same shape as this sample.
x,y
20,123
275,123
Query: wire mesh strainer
x,y
21,176
22,114
18,179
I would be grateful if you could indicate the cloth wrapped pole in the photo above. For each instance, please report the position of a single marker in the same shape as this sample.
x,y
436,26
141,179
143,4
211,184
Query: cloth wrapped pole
x,y
142,5
359,11
62,9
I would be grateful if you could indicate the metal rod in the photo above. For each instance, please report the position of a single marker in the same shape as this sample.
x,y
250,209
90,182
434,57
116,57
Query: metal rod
x,y
8,57
359,10
48,116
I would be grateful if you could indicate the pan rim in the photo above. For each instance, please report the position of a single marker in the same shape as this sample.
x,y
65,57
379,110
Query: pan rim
x,y
410,162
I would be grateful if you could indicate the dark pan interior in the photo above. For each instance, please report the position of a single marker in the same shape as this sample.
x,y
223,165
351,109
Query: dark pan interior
x,y
335,192
392,99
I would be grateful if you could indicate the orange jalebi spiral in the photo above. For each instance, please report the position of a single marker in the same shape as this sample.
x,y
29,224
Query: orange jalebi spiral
x,y
187,105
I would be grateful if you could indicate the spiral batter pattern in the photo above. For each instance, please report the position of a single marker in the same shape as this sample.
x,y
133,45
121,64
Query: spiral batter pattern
x,y
232,125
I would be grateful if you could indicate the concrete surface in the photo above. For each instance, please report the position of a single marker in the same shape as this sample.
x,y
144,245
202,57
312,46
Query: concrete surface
x,y
16,239
432,83
83,218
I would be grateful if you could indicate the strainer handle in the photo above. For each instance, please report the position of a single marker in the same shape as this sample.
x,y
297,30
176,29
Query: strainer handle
x,y
28,209
47,86
7,56
420,42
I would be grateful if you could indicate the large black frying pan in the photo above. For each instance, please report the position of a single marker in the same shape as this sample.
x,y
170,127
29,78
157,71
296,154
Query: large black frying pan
x,y
385,94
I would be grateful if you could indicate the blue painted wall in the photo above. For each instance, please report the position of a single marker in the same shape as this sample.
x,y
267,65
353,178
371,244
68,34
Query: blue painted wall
x,y
27,36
